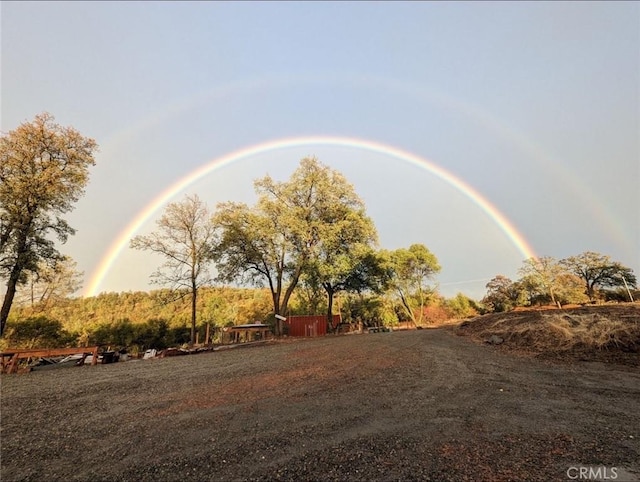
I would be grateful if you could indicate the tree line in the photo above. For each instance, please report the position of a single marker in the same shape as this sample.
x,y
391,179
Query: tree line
x,y
159,318
589,277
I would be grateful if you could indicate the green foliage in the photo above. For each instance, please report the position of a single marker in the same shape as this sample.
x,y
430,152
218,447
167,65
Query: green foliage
x,y
356,269
309,298
547,281
40,332
461,307
154,333
570,290
543,278
411,269
153,319
121,333
370,310
621,295
598,273
577,279
307,224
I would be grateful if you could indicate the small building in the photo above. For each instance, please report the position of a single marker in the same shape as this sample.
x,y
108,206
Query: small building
x,y
310,325
246,333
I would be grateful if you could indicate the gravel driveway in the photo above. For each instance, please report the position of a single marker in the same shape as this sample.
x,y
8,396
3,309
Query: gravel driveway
x,y
416,405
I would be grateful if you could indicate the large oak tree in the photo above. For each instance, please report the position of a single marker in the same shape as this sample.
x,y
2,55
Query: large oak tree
x,y
296,224
44,168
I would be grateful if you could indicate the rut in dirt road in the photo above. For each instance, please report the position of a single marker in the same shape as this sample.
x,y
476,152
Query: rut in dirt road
x,y
418,405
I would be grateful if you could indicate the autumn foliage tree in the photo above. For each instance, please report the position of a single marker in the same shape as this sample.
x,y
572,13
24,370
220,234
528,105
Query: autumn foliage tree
x,y
44,169
502,294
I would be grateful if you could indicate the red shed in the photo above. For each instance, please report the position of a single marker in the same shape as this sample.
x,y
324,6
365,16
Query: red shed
x,y
310,325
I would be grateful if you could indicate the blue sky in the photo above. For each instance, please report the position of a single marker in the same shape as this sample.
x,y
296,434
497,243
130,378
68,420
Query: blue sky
x,y
535,105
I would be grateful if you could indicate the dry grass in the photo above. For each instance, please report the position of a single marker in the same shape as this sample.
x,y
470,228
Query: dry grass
x,y
584,330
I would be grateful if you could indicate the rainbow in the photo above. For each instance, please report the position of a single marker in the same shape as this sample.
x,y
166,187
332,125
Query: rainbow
x,y
122,240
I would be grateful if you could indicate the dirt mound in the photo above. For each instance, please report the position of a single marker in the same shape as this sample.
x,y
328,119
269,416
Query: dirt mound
x,y
607,333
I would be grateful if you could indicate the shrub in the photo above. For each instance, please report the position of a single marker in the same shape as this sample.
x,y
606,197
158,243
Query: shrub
x,y
38,331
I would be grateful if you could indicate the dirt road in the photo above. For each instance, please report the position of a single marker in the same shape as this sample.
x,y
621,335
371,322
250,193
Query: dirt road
x,y
420,405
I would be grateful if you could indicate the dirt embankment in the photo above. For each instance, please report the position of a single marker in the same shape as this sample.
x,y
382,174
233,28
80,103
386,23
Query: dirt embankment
x,y
418,405
606,333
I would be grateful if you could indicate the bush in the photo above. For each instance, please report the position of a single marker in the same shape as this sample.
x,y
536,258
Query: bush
x,y
121,333
461,306
154,333
37,331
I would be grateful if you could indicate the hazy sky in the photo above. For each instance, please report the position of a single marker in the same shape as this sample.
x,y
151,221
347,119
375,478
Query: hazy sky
x,y
536,106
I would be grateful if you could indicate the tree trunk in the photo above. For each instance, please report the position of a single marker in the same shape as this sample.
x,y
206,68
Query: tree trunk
x,y
276,291
276,310
289,291
194,295
8,300
14,277
553,298
591,292
330,294
408,309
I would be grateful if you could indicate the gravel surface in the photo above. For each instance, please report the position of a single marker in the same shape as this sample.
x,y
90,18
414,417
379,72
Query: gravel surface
x,y
416,405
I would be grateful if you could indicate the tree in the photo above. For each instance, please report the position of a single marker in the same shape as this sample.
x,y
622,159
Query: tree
x,y
598,271
368,309
544,275
39,331
411,270
185,238
44,169
310,297
274,242
343,256
570,289
356,269
53,281
502,294
461,306
254,248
